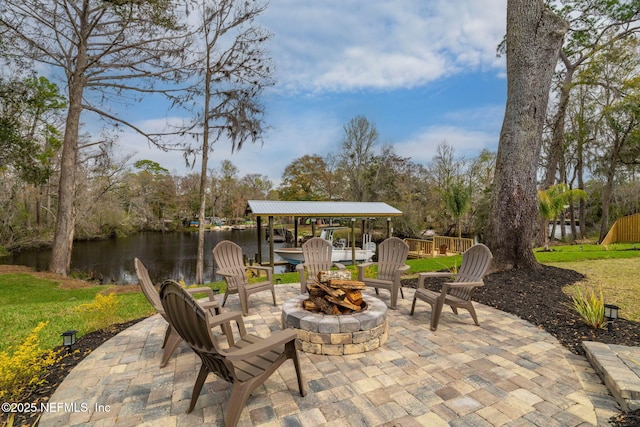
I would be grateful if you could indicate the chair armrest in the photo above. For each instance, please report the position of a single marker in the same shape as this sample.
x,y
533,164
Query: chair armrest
x,y
361,268
201,290
225,319
404,268
209,305
447,286
365,265
266,269
436,274
257,348
422,276
339,266
300,268
463,284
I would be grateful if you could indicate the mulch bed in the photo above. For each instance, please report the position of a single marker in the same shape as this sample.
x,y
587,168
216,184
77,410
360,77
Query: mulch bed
x,y
535,296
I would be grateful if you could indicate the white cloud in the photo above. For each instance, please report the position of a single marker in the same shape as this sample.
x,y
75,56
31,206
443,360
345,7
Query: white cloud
x,y
337,45
467,143
337,49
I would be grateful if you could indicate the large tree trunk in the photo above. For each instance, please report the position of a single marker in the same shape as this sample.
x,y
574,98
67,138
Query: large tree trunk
x,y
66,216
534,39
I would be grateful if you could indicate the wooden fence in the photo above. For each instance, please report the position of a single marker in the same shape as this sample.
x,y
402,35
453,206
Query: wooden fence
x,y
624,230
426,248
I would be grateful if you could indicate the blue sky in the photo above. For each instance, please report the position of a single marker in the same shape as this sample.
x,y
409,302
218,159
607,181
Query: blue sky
x,y
422,71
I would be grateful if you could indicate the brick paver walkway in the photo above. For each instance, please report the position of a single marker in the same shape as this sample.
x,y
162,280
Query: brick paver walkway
x,y
505,372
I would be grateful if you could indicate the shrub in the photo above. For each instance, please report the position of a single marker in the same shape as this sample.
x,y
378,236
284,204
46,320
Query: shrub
x,y
590,306
25,367
102,312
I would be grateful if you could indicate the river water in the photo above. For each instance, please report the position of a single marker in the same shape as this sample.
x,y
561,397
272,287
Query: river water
x,y
166,255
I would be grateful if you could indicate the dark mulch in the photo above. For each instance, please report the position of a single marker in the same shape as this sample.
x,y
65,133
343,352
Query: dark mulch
x,y
535,296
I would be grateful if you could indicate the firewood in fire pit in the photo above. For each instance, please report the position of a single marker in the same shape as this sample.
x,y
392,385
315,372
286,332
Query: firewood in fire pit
x,y
336,296
355,297
346,284
343,303
323,305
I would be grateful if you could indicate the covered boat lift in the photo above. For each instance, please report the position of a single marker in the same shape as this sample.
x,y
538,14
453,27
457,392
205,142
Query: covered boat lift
x,y
297,209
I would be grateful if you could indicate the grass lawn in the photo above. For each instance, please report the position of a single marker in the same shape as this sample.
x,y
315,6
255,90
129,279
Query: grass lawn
x,y
26,299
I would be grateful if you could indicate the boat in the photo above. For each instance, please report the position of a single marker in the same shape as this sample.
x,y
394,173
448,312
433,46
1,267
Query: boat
x,y
341,252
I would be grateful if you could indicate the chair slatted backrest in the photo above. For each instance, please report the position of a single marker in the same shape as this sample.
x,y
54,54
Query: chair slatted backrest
x,y
146,284
228,256
392,254
475,263
317,254
189,320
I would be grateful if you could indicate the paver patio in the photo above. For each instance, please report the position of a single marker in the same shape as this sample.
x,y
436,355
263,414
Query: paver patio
x,y
505,372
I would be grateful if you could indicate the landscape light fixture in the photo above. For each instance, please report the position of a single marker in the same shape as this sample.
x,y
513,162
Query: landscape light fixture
x,y
69,338
611,311
611,314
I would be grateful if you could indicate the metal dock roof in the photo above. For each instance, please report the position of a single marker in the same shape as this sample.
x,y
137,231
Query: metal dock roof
x,y
322,209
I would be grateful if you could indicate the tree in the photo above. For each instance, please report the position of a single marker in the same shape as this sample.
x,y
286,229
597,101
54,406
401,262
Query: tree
x,y
533,41
457,198
30,122
234,70
552,202
593,26
303,179
107,51
156,190
357,151
614,78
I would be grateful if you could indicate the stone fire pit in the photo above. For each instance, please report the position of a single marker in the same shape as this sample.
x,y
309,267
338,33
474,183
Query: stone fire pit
x,y
319,333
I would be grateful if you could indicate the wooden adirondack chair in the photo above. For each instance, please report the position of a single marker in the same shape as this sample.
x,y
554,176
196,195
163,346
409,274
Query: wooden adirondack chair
x,y
171,338
392,255
317,257
457,294
246,364
228,258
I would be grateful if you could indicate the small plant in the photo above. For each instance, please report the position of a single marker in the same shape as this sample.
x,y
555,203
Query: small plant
x,y
25,367
101,312
590,306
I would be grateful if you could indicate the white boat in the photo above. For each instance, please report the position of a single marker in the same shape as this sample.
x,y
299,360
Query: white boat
x,y
341,252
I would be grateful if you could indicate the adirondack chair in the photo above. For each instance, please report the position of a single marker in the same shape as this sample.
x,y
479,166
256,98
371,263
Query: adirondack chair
x,y
456,294
392,255
171,338
246,364
228,258
317,257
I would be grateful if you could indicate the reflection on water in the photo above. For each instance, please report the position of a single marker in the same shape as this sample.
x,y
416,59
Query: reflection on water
x,y
166,255
558,231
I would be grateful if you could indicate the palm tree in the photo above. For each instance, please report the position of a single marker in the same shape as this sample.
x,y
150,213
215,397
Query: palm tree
x,y
551,203
456,197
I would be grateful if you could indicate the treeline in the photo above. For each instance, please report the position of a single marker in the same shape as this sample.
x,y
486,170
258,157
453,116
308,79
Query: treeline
x,y
450,194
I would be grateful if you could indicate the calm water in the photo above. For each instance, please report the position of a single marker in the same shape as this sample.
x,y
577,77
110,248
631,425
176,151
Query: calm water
x,y
166,255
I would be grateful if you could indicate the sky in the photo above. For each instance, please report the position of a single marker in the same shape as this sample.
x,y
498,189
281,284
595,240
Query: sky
x,y
422,71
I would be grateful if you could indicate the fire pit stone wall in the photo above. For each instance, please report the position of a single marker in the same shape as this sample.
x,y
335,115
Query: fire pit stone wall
x,y
319,333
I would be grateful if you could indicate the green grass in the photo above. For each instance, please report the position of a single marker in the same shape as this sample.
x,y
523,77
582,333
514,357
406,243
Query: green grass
x,y
571,253
26,300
